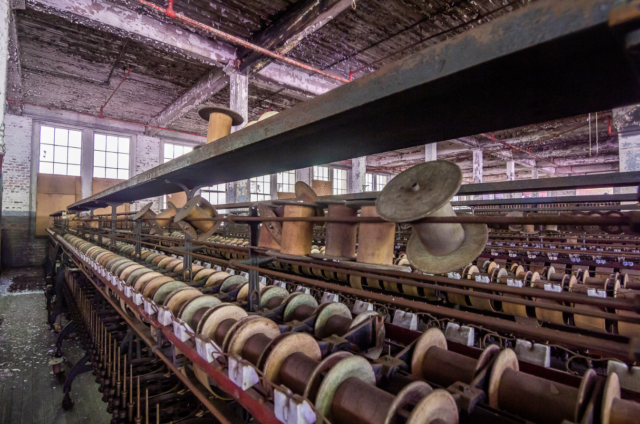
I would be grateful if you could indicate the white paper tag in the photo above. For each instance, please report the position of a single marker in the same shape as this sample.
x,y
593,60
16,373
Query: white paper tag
x,y
245,274
182,330
241,373
514,283
231,271
164,316
137,298
302,289
597,293
361,306
454,275
280,284
207,350
128,291
553,287
149,307
482,278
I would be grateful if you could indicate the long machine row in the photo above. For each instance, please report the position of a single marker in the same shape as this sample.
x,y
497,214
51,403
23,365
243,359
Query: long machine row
x,y
321,358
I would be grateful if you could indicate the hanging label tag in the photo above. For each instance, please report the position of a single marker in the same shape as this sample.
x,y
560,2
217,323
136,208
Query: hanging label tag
x,y
553,287
245,274
280,284
597,293
454,275
514,283
263,280
482,278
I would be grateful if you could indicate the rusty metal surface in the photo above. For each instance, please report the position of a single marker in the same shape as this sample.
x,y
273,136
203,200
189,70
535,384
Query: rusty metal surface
x,y
544,53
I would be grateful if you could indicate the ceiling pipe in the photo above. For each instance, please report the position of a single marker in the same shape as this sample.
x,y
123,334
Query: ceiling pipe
x,y
114,91
236,40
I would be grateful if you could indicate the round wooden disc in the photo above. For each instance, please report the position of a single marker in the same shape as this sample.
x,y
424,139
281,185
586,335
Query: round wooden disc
x,y
164,290
475,241
259,325
419,191
353,366
144,279
314,380
192,306
142,211
210,321
274,227
518,227
164,261
431,337
244,291
409,396
150,288
298,300
133,277
326,311
485,357
206,111
177,297
232,280
506,359
584,393
611,392
216,278
304,192
439,406
270,292
203,274
121,267
124,275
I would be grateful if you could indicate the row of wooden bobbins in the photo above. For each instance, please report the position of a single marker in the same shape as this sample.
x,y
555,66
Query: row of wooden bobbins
x,y
248,336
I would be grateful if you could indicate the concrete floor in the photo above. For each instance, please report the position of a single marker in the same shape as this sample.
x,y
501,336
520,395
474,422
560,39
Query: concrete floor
x,y
28,392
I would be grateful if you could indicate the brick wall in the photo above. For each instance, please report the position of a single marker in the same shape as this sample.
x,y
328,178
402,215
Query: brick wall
x,y
147,157
19,245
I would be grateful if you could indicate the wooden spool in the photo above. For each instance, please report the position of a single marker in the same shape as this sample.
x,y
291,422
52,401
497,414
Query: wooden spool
x,y
567,282
626,328
589,322
375,240
220,120
340,237
297,236
197,208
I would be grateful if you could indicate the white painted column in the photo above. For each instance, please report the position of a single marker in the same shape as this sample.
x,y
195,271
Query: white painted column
x,y
305,175
273,187
430,152
239,97
511,170
239,102
628,144
86,169
534,176
477,166
5,18
358,174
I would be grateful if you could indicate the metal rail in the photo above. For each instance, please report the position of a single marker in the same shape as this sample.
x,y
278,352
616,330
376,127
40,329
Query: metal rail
x,y
429,96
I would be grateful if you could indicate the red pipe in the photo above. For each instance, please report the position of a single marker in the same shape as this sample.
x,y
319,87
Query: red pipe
x,y
617,132
236,40
114,91
108,119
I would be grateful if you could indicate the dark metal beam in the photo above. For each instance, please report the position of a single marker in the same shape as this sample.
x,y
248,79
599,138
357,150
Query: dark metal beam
x,y
520,69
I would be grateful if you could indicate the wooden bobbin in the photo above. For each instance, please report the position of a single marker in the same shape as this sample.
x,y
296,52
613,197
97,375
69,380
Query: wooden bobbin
x,y
523,314
611,288
468,273
493,273
422,191
220,120
628,329
340,237
565,281
524,394
196,208
270,232
297,236
376,241
149,216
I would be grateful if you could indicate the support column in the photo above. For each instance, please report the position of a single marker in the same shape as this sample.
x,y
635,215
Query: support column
x,y
477,166
231,192
305,175
274,187
4,60
358,174
239,97
430,152
511,176
86,167
242,191
628,144
534,176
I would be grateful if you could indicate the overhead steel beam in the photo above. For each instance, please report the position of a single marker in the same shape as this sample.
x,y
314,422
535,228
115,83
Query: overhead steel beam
x,y
521,68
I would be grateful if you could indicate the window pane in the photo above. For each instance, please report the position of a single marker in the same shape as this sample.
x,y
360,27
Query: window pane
x,y
112,160
99,158
100,142
188,149
74,156
73,170
168,151
123,145
123,174
111,173
75,139
46,153
98,172
60,154
46,168
123,161
60,168
62,137
177,151
112,143
46,135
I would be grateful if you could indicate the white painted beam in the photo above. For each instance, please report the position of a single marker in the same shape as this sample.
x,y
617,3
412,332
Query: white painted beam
x,y
430,152
14,71
207,86
108,16
299,79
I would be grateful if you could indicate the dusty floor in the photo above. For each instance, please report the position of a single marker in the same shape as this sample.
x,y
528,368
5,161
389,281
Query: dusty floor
x,y
28,392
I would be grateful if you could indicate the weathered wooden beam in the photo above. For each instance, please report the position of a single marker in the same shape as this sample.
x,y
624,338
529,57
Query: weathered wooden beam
x,y
202,90
301,20
14,70
125,22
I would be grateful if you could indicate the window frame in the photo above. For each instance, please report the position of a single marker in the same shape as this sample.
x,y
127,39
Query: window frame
x,y
208,190
173,143
132,153
55,126
293,186
266,195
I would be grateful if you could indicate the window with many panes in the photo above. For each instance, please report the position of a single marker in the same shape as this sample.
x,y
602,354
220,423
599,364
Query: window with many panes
x,y
172,151
381,181
216,195
339,181
286,182
60,151
260,188
111,156
321,173
369,186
